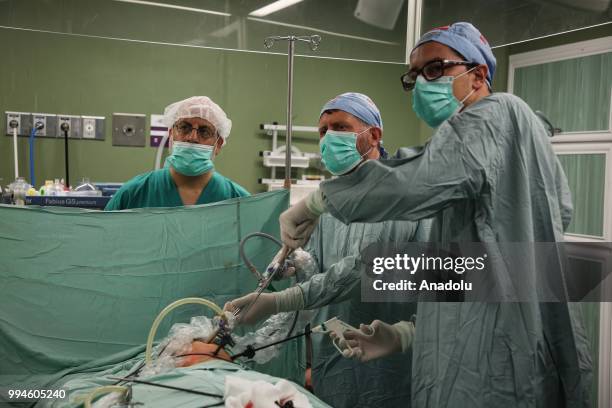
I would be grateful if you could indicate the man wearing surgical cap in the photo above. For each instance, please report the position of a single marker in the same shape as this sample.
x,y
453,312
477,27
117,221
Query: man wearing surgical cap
x,y
350,127
488,175
198,130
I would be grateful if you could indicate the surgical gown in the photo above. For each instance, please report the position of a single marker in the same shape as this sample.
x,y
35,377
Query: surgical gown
x,y
335,291
158,189
489,174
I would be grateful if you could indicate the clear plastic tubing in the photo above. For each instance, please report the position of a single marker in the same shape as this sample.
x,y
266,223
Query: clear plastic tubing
x,y
103,390
168,309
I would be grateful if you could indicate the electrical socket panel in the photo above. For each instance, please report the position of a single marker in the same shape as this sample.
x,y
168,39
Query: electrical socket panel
x,y
129,129
93,127
49,122
23,120
74,123
86,127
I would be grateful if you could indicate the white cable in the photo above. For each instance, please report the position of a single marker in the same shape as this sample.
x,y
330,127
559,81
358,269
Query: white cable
x,y
15,153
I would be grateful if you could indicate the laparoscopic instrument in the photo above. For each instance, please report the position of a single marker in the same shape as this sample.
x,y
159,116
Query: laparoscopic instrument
x,y
333,325
276,267
272,271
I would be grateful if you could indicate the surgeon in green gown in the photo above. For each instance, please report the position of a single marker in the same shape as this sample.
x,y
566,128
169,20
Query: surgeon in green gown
x,y
350,128
488,174
199,128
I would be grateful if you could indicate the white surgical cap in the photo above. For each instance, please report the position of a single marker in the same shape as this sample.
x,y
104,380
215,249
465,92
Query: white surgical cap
x,y
199,107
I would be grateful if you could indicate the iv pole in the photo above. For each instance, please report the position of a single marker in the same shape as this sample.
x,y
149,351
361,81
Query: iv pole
x,y
314,41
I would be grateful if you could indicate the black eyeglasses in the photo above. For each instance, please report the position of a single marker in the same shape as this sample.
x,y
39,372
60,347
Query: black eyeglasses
x,y
430,71
204,132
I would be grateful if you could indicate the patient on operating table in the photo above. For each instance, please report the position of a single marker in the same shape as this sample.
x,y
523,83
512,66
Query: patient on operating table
x,y
189,369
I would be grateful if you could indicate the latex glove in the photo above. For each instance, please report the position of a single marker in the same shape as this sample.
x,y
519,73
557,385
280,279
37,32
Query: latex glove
x,y
287,300
287,271
298,222
264,306
376,340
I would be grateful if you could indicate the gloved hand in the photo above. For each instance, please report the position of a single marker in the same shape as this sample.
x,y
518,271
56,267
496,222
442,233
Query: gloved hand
x,y
287,271
267,304
376,340
264,306
298,222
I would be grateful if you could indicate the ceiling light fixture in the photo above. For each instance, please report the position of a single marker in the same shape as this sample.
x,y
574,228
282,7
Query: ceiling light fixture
x,y
273,7
173,6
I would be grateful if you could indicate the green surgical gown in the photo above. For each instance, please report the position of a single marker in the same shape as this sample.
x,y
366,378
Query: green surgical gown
x,y
157,189
335,291
489,174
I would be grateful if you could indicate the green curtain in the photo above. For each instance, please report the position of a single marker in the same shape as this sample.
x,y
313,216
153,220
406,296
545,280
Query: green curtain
x,y
77,286
591,323
574,93
586,174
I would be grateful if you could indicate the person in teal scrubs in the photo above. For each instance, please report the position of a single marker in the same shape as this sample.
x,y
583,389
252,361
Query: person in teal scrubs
x,y
199,128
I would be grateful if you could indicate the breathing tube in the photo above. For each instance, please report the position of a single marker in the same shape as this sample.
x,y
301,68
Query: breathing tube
x,y
167,310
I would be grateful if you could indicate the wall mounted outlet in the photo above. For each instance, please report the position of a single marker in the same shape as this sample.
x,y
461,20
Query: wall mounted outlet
x,y
49,123
20,119
129,129
93,127
87,127
74,126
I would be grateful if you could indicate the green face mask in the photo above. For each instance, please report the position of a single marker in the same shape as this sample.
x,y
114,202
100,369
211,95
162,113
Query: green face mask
x,y
191,159
434,101
339,152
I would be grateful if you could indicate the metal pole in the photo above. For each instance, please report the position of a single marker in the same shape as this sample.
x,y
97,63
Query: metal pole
x,y
314,41
291,50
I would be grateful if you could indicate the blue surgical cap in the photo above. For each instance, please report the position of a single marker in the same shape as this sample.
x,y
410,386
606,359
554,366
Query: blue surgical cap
x,y
467,41
358,105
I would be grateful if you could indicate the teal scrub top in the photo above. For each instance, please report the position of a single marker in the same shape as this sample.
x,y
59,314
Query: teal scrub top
x,y
157,189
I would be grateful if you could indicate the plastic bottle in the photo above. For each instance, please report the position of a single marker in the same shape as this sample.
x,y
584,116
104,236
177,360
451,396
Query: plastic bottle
x,y
56,188
46,188
20,188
